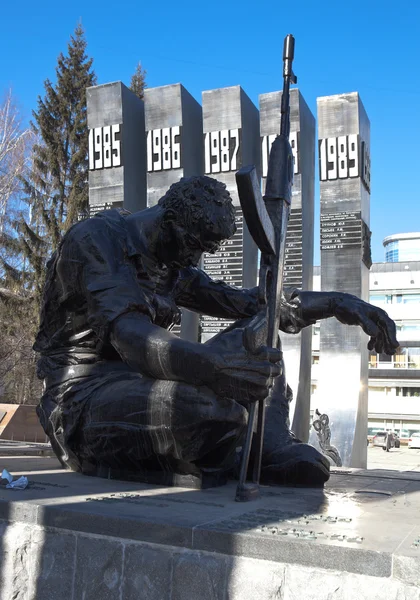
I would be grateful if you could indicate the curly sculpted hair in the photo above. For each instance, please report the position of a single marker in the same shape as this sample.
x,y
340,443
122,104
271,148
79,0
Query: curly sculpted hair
x,y
202,201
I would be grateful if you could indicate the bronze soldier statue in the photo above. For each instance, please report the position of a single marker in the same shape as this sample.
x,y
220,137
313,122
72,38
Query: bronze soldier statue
x,y
123,396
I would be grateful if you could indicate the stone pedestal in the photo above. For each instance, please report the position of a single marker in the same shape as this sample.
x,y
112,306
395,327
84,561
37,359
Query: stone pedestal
x,y
79,538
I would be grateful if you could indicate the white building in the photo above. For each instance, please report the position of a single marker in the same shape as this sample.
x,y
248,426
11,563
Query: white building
x,y
402,247
394,381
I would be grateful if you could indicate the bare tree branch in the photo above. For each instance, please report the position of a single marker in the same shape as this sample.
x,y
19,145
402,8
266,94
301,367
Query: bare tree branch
x,y
8,295
15,142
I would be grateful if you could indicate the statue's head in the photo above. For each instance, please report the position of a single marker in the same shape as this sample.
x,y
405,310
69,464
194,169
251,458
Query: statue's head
x,y
198,215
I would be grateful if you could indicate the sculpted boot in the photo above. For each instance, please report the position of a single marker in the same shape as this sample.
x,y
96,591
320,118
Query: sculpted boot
x,y
286,460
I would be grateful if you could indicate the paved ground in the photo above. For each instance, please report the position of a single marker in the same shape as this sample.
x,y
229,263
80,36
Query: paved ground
x,y
401,459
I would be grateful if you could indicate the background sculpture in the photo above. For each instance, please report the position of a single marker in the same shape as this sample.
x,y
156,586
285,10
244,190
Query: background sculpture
x,y
322,427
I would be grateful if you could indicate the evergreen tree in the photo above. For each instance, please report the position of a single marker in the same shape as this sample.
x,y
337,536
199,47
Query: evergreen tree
x,y
57,187
57,184
138,81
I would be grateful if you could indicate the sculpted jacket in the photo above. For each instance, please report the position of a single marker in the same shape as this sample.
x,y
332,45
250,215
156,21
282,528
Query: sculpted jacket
x,y
100,272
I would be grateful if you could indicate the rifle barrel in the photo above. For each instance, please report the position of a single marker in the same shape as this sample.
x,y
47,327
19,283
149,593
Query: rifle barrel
x,y
288,78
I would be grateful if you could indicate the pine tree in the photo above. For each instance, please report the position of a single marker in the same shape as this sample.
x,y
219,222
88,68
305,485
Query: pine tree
x,y
138,81
56,190
57,187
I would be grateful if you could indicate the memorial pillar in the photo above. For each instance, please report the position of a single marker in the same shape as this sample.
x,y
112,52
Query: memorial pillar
x,y
344,170
298,266
231,134
174,132
117,148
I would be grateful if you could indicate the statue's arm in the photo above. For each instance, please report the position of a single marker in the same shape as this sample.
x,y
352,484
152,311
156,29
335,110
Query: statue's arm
x,y
153,351
196,291
314,306
349,310
301,309
225,367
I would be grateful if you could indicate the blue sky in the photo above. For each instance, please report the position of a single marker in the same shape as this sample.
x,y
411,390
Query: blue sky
x,y
372,47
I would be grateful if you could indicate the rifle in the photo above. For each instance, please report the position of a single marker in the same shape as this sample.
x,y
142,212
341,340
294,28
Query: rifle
x,y
267,219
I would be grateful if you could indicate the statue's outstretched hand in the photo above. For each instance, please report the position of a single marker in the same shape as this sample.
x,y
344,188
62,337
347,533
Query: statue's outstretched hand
x,y
238,374
374,321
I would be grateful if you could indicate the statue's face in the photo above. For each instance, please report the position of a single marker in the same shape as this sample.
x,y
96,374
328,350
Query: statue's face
x,y
189,247
183,247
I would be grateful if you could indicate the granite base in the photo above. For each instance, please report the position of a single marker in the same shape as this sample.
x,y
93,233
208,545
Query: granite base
x,y
73,537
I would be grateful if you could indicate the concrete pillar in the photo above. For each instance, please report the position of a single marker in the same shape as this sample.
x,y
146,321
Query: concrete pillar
x,y
174,134
231,140
344,169
117,148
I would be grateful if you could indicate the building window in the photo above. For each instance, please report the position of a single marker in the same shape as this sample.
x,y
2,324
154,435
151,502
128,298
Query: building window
x,y
391,256
386,391
391,252
400,359
407,325
408,392
374,430
379,299
413,355
384,358
406,358
410,327
408,298
411,299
